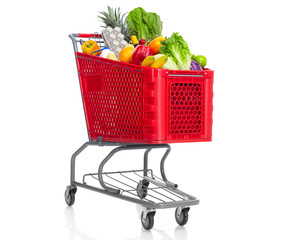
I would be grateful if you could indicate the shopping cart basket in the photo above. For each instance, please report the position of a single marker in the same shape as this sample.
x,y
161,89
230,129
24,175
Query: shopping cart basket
x,y
140,108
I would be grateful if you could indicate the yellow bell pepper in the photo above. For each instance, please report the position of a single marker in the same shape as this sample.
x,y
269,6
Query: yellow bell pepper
x,y
91,46
155,44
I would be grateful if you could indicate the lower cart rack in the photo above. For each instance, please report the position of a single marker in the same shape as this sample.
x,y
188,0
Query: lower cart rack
x,y
150,192
138,186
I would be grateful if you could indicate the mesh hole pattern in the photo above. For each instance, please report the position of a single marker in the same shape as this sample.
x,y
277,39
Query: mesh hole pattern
x,y
186,110
116,110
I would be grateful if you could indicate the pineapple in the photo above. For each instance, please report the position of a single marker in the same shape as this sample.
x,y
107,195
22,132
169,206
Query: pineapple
x,y
113,18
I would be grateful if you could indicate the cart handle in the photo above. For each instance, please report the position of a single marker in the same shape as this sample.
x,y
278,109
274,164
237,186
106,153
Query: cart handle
x,y
73,37
86,35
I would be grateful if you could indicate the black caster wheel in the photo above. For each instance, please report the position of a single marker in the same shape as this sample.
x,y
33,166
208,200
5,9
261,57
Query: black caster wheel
x,y
148,222
182,217
142,188
69,195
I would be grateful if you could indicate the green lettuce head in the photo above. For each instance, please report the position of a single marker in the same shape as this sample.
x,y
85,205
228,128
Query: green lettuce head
x,y
178,50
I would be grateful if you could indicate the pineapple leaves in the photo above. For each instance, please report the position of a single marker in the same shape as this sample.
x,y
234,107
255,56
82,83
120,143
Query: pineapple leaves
x,y
111,13
114,18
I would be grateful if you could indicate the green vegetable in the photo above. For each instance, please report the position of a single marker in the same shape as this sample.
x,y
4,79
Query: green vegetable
x,y
170,64
177,48
201,60
145,25
192,57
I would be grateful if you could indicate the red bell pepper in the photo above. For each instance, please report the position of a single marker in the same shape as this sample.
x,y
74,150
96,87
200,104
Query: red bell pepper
x,y
140,53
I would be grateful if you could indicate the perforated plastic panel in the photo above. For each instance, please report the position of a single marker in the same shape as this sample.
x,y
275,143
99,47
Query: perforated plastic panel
x,y
186,107
113,100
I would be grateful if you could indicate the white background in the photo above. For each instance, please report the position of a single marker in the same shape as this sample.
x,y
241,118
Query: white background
x,y
242,177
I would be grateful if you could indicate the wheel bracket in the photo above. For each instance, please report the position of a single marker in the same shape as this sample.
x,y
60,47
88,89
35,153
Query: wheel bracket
x,y
180,209
145,213
69,189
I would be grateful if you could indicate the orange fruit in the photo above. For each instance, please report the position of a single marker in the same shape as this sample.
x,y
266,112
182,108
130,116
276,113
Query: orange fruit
x,y
125,54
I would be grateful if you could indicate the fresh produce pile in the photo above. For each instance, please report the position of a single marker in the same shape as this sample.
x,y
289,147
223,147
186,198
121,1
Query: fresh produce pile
x,y
142,42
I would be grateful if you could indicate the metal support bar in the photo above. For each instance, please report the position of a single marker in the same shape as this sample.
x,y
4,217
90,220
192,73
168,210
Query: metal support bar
x,y
100,171
82,148
72,36
161,184
73,161
163,171
146,161
148,148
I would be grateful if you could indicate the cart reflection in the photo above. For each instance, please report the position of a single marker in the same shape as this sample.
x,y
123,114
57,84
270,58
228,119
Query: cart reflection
x,y
180,233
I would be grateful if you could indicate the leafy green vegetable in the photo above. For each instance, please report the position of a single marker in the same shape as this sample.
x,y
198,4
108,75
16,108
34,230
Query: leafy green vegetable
x,y
145,25
178,50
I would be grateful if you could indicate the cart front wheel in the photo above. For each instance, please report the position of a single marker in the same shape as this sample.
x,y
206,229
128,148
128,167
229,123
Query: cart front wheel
x,y
182,217
69,196
147,222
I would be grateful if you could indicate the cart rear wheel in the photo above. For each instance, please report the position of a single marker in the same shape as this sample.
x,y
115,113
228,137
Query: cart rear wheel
x,y
181,218
148,222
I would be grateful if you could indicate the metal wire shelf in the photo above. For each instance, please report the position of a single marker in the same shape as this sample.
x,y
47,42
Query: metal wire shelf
x,y
127,182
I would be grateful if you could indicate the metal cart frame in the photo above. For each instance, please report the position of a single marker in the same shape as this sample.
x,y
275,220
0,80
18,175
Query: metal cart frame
x,y
150,191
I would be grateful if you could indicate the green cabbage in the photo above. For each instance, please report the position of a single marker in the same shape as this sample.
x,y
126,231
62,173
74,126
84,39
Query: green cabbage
x,y
176,48
145,25
170,64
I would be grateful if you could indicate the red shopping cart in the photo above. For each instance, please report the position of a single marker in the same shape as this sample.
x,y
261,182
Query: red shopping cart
x,y
134,107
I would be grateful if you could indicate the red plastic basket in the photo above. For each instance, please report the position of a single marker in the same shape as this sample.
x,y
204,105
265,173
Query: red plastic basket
x,y
133,104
